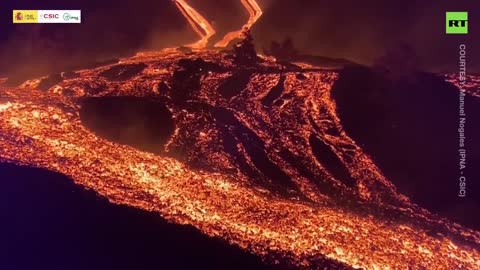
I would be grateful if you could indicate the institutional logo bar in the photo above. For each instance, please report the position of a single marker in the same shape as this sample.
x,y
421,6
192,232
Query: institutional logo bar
x,y
47,16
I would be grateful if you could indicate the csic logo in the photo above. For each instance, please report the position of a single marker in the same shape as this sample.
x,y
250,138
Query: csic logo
x,y
457,22
51,16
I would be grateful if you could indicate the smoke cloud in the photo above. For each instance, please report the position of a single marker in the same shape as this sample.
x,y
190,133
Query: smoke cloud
x,y
357,30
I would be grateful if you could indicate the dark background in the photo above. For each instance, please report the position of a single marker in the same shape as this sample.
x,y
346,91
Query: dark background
x,y
357,30
49,223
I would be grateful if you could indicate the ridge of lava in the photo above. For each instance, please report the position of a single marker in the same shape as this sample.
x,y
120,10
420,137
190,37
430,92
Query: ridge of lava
x,y
256,156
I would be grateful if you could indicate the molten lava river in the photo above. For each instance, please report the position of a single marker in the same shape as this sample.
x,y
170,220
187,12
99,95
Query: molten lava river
x,y
257,157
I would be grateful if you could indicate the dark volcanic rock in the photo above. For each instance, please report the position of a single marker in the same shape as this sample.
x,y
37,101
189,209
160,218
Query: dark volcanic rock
x,y
48,222
50,81
275,92
235,132
235,84
143,123
123,72
410,128
324,154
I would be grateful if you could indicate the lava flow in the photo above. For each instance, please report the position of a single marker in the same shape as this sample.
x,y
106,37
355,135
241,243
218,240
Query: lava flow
x,y
199,24
254,11
257,157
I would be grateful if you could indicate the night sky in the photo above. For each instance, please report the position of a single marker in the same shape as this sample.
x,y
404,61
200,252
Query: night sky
x,y
357,30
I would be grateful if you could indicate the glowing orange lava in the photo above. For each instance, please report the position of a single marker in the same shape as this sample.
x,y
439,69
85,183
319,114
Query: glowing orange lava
x,y
254,11
199,24
43,128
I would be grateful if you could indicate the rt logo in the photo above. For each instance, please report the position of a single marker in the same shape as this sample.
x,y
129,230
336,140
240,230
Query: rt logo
x,y
457,22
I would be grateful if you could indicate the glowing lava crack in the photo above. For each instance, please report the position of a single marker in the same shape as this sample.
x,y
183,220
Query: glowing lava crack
x,y
297,214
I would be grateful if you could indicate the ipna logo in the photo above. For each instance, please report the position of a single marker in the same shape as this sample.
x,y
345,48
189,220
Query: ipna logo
x,y
457,22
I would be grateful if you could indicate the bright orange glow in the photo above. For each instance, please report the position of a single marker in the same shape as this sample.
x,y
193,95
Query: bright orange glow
x,y
254,11
199,24
43,128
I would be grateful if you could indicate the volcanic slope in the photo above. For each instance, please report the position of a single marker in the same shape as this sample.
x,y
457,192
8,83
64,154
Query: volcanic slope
x,y
255,155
